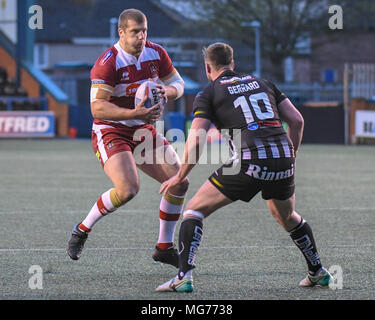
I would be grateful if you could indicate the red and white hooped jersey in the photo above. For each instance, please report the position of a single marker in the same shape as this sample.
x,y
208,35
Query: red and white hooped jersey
x,y
121,74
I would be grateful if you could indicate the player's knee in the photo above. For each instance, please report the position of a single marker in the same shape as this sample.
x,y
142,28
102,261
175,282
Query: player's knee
x,y
181,188
290,213
127,194
184,186
286,216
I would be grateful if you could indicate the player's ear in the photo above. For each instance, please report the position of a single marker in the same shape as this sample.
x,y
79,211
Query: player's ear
x,y
120,31
208,68
232,65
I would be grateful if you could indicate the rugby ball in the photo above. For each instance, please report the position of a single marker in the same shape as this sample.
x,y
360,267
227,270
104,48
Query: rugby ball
x,y
147,88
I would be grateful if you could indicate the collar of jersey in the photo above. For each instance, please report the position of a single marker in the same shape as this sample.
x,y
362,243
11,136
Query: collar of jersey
x,y
227,73
129,56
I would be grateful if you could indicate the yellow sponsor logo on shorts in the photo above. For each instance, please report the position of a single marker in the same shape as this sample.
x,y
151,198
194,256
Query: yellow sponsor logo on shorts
x,y
216,182
199,112
98,155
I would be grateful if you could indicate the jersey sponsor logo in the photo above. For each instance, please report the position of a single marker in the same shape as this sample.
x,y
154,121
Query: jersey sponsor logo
x,y
125,76
132,89
235,80
257,173
253,126
106,57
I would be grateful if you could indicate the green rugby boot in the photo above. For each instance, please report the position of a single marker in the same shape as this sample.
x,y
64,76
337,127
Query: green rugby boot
x,y
322,278
177,285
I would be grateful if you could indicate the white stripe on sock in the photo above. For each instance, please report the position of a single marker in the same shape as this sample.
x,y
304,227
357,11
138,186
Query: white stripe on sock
x,y
197,214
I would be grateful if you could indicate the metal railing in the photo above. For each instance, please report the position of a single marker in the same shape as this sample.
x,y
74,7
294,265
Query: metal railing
x,y
313,92
363,79
9,100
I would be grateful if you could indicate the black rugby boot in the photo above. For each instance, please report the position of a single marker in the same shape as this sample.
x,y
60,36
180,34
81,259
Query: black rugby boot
x,y
76,242
168,256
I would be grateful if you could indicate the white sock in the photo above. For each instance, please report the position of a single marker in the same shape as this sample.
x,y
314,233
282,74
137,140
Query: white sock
x,y
107,203
170,210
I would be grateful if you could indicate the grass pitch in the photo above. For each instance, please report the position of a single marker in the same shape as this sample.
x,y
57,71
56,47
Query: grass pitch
x,y
47,186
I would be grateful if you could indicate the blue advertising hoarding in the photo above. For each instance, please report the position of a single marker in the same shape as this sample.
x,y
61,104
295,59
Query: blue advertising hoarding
x,y
27,124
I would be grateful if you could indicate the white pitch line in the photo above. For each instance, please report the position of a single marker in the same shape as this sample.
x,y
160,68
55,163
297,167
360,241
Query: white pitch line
x,y
71,211
13,250
156,210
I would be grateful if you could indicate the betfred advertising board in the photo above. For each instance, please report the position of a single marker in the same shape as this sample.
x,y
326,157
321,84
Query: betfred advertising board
x,y
27,124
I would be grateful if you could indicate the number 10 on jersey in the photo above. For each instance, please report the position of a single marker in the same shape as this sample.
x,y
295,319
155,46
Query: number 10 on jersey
x,y
254,101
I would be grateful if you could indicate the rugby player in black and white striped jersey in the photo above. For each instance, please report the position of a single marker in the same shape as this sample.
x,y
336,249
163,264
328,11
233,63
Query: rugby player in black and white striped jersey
x,y
251,110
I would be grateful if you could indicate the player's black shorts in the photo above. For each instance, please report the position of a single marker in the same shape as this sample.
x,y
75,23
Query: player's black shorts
x,y
273,177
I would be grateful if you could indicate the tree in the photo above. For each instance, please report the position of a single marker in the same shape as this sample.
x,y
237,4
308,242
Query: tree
x,y
358,15
82,2
283,23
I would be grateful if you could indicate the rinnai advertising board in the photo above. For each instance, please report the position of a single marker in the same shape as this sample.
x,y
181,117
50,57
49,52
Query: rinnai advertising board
x,y
27,124
365,123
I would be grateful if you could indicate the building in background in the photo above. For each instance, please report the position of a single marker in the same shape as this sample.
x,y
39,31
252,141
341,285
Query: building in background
x,y
23,87
54,62
76,34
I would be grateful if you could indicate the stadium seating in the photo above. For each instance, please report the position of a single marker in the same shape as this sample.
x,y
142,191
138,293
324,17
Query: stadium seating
x,y
13,97
3,106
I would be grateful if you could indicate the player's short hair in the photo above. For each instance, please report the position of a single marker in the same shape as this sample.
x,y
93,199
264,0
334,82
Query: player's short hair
x,y
219,54
130,14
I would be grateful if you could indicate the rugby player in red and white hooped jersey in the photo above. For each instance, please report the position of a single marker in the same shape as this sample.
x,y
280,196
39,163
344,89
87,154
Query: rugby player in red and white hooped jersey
x,y
115,77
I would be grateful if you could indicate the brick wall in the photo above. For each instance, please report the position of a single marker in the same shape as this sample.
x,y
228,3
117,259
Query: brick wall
x,y
333,50
8,63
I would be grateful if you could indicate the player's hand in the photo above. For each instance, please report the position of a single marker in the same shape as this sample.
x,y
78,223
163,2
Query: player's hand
x,y
155,113
148,115
170,183
162,93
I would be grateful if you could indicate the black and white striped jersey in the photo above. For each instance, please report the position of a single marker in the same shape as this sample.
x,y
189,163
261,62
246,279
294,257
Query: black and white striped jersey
x,y
245,110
